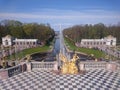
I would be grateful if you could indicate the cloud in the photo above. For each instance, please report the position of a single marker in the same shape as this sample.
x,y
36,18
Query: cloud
x,y
63,14
65,17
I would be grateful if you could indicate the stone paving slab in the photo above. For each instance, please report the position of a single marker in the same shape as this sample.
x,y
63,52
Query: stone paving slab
x,y
47,80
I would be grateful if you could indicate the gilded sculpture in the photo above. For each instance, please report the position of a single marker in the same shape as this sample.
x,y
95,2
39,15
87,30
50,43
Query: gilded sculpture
x,y
69,66
3,63
28,57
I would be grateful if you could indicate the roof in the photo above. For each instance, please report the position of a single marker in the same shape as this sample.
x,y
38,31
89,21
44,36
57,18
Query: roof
x,y
109,37
92,40
25,40
8,36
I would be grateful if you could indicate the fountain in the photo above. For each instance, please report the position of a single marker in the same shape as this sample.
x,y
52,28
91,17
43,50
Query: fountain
x,y
68,65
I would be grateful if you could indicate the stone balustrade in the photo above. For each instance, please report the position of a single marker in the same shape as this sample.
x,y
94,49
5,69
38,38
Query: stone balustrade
x,y
9,72
88,65
43,65
14,70
83,65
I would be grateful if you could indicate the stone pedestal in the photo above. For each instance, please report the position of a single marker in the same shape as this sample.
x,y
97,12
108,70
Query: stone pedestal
x,y
81,67
28,64
111,66
55,66
23,66
3,74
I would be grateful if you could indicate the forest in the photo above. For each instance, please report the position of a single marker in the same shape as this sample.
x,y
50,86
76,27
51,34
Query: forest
x,y
88,31
17,29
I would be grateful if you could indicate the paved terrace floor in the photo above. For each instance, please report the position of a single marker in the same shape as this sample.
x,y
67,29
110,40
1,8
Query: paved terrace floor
x,y
47,80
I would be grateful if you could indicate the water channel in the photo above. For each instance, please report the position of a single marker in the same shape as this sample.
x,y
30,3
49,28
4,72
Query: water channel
x,y
48,56
51,56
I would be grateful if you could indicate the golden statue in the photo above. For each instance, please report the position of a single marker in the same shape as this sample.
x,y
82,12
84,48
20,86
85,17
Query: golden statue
x,y
3,64
65,65
28,57
69,67
73,69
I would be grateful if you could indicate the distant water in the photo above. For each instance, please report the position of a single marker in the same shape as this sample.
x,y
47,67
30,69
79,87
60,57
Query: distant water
x,y
51,56
56,49
48,56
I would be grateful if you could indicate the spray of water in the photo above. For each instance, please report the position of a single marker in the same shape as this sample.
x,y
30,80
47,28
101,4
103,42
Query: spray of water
x,y
62,45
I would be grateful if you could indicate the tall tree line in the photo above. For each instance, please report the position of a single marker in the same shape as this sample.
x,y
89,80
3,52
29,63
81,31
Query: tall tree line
x,y
97,31
17,29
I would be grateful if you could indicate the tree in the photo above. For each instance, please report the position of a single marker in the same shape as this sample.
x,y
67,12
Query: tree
x,y
17,31
97,31
43,32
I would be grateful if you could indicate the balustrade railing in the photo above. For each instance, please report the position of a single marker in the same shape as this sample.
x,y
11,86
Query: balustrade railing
x,y
16,69
42,65
87,65
93,65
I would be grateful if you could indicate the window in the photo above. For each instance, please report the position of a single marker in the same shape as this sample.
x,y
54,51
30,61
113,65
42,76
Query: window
x,y
6,42
33,43
88,43
111,43
20,43
27,43
104,43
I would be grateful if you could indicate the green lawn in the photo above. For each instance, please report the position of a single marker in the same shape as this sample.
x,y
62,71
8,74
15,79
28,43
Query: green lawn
x,y
29,51
70,44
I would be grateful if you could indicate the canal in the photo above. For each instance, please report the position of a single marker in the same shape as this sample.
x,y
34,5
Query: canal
x,y
51,56
48,56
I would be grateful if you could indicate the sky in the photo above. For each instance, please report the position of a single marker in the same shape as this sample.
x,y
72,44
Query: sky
x,y
64,13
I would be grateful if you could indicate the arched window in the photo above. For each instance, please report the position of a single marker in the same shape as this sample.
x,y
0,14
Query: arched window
x,y
104,43
111,43
33,43
6,42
